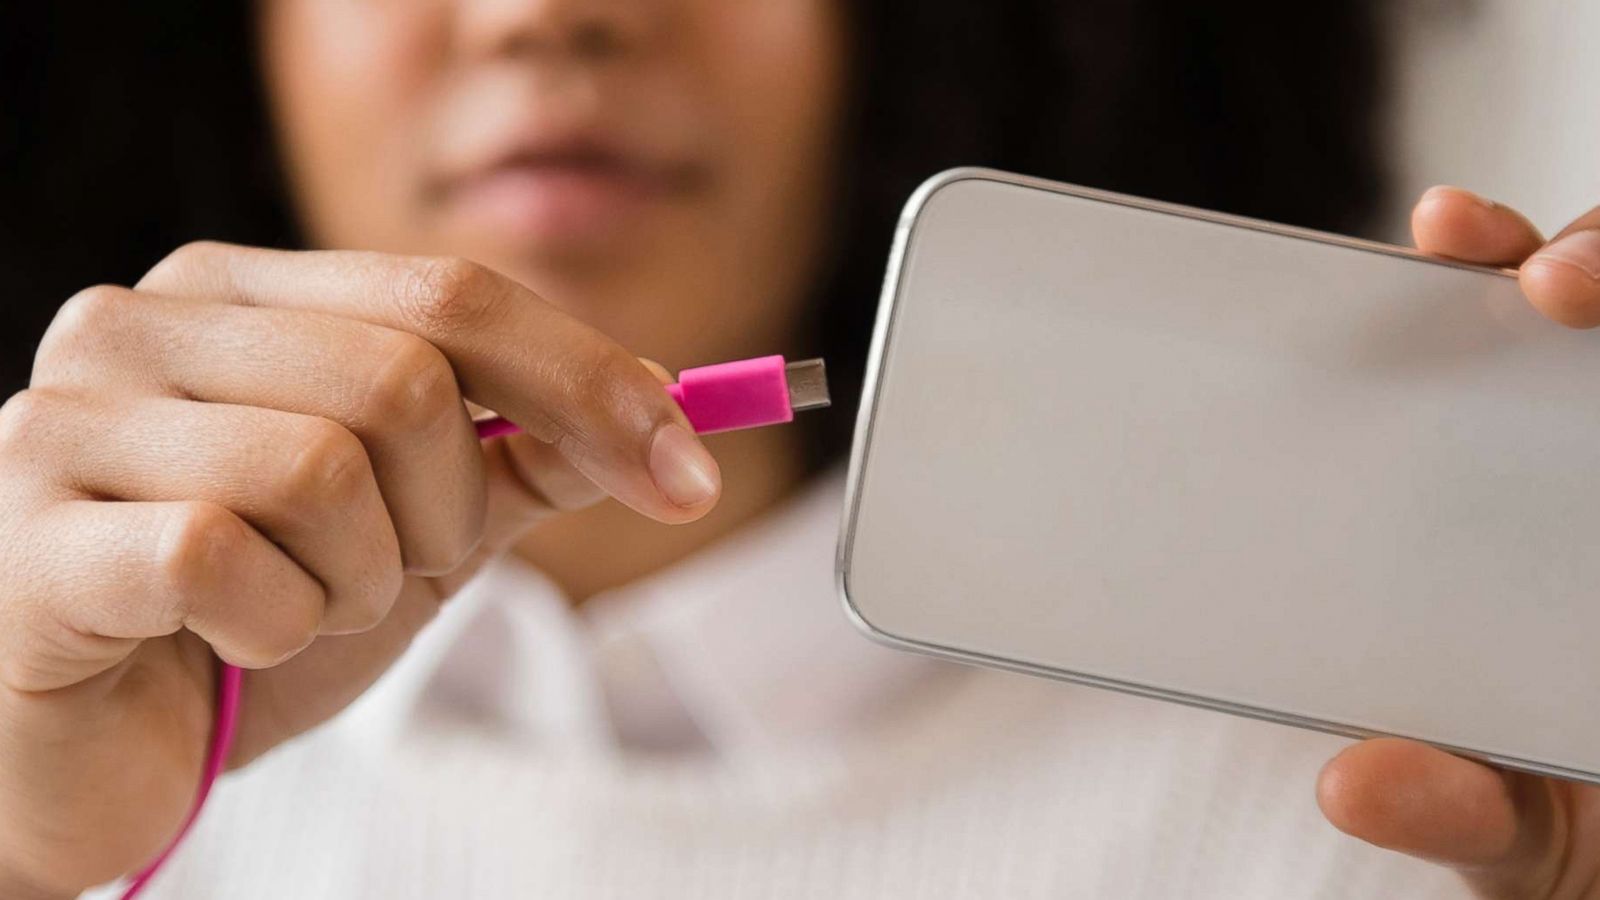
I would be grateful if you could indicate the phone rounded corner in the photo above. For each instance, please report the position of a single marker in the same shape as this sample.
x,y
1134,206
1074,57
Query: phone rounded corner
x,y
933,184
858,619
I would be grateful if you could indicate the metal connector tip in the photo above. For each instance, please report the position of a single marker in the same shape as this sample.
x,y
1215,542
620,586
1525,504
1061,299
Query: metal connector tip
x,y
808,384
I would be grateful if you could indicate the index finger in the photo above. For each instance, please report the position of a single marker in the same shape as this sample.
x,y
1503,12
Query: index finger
x,y
557,378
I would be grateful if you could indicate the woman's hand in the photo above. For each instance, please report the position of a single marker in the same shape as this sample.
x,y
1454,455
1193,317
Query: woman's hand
x,y
1511,835
266,455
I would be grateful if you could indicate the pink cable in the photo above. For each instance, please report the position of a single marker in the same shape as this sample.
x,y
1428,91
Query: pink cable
x,y
229,681
745,393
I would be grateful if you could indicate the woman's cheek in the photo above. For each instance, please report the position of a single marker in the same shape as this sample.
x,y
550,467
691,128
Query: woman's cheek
x,y
348,83
781,68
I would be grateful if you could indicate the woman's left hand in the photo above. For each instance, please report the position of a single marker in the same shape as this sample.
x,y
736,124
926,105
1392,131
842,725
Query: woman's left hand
x,y
1509,834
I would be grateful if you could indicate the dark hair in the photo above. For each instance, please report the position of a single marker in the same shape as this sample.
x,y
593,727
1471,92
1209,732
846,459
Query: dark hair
x,y
136,127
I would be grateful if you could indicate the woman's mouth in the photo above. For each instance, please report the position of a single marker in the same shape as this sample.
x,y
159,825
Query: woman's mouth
x,y
559,198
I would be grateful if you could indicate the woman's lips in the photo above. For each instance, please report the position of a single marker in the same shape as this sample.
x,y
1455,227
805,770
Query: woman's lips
x,y
556,203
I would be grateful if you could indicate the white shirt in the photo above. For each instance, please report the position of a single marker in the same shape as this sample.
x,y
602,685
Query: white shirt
x,y
719,730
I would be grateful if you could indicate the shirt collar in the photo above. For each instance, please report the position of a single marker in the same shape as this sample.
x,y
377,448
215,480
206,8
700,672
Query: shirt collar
x,y
741,650
749,638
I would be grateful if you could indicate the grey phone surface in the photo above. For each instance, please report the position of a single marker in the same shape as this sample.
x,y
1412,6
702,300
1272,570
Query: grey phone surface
x,y
1252,468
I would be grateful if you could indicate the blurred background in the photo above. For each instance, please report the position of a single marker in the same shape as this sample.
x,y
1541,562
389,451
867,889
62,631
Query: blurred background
x,y
1497,96
127,129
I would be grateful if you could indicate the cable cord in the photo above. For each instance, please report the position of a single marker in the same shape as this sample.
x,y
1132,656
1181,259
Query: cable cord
x,y
745,393
229,681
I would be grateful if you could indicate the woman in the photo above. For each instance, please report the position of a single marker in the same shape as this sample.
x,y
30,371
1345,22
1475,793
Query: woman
x,y
265,456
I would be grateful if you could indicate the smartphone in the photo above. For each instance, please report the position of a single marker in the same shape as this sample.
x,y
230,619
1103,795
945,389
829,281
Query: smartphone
x,y
1253,468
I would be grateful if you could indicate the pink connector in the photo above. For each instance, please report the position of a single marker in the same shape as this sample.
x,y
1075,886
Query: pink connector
x,y
746,393
743,394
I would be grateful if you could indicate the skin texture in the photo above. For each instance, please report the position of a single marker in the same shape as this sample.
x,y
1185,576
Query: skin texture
x,y
378,104
382,106
268,455
187,471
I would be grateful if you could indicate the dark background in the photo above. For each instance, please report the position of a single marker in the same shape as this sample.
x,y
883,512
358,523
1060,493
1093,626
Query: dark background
x,y
129,129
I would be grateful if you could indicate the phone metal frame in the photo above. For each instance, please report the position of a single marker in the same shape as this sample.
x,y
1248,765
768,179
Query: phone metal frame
x,y
880,346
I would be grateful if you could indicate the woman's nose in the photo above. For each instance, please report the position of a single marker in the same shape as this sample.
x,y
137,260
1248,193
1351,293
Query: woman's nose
x,y
588,29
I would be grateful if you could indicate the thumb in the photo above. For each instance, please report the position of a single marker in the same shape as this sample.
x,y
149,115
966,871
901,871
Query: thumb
x,y
528,480
1563,277
1507,833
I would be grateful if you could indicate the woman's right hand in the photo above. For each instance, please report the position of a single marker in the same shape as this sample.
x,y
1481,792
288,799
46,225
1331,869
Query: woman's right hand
x,y
266,456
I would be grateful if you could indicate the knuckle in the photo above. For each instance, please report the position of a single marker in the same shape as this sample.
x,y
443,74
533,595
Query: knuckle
x,y
94,306
183,261
198,554
195,252
195,266
328,465
197,550
445,294
24,415
412,386
598,381
90,312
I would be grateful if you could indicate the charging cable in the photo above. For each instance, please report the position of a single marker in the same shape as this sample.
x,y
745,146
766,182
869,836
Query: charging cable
x,y
747,393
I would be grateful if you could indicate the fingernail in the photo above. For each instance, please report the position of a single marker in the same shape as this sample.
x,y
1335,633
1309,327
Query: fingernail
x,y
682,469
1580,249
1441,191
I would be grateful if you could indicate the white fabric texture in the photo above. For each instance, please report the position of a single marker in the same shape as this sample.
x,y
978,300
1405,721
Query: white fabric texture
x,y
720,731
